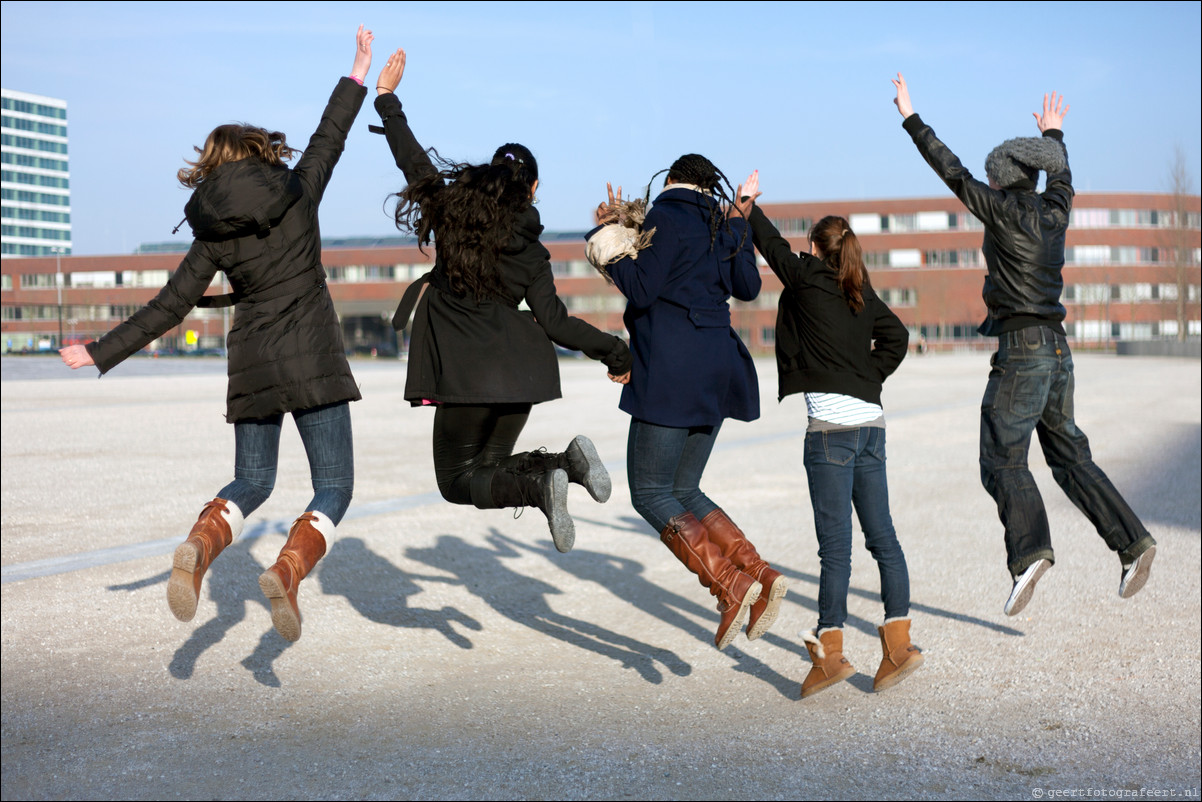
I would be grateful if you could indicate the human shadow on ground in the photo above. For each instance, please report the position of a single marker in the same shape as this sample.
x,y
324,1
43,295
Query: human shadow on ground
x,y
523,599
624,578
233,583
810,602
379,591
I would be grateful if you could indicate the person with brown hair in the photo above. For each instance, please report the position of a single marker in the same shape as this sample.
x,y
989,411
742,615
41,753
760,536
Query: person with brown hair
x,y
837,342
256,220
478,359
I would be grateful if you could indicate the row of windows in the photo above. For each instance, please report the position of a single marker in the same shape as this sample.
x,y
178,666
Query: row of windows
x,y
30,232
1122,255
37,215
72,312
25,196
22,124
873,223
1125,293
35,180
25,160
1107,330
26,249
1129,218
24,106
14,141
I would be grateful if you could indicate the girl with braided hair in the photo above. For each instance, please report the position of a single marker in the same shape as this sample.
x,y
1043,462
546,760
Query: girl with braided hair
x,y
691,372
836,342
473,355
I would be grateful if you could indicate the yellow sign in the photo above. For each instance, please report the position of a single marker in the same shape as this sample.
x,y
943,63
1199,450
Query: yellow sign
x,y
191,336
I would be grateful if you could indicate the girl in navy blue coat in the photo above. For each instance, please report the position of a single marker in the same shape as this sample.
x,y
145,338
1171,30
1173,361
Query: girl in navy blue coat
x,y
690,373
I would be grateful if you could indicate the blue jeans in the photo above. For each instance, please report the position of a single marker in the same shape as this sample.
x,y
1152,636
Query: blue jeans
x,y
664,466
1031,389
847,468
326,434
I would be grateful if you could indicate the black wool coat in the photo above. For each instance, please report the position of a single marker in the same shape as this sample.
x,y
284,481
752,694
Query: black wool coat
x,y
257,223
821,345
468,351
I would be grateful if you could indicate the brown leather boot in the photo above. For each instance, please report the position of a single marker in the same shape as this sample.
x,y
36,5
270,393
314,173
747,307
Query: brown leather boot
x,y
830,666
736,591
219,523
306,545
901,657
735,546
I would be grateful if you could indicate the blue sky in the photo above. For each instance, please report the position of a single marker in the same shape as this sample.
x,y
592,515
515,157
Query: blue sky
x,y
607,91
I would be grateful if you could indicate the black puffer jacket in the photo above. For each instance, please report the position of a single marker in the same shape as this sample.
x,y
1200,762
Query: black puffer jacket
x,y
258,224
821,345
466,351
1024,236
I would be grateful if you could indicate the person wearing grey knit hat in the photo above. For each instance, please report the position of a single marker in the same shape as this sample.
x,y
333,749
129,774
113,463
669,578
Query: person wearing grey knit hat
x,y
1031,384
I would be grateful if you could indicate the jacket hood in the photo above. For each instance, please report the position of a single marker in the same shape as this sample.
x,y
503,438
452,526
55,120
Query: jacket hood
x,y
526,229
241,198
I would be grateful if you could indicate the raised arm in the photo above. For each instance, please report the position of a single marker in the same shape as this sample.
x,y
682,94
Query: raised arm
x,y
329,140
1059,189
409,156
791,268
982,201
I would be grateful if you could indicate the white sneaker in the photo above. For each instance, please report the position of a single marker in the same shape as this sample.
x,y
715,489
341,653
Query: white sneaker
x,y
1024,587
1135,575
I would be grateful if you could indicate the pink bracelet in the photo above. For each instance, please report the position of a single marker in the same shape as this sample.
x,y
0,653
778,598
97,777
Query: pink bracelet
x,y
356,79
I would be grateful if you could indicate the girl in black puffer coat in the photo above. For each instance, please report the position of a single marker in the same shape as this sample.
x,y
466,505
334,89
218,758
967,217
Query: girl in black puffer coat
x,y
256,220
476,357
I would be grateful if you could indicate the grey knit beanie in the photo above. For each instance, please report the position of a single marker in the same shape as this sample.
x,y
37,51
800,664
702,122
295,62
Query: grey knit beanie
x,y
1018,161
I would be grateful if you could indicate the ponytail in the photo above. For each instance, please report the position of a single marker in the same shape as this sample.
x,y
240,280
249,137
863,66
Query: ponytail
x,y
841,250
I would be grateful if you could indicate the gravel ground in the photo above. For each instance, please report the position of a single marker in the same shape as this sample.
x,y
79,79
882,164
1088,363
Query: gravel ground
x,y
453,653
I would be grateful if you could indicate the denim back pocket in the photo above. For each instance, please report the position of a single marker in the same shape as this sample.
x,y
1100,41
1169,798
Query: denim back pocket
x,y
840,447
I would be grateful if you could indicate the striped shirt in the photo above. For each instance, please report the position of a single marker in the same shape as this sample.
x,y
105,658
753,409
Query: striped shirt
x,y
841,410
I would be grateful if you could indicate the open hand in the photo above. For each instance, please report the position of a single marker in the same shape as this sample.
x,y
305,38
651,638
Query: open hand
x,y
362,63
390,76
745,196
902,101
1053,113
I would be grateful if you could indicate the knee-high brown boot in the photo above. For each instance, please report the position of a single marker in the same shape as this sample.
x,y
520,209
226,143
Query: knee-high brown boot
x,y
830,666
219,523
736,591
305,546
901,657
735,546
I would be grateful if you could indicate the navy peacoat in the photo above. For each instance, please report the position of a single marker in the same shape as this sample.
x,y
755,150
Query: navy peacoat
x,y
690,367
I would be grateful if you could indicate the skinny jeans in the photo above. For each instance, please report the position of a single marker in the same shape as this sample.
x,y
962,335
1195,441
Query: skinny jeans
x,y
325,432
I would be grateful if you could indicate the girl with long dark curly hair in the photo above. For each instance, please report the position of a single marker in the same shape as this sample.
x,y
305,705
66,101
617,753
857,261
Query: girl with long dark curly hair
x,y
474,355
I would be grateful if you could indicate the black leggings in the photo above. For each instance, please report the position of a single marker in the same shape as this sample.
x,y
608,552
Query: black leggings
x,y
470,437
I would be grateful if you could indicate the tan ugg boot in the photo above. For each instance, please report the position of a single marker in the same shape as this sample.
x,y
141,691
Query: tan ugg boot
x,y
305,546
219,523
735,546
901,657
830,666
736,591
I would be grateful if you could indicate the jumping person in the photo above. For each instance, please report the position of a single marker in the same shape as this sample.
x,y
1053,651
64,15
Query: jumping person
x,y
691,372
837,342
1030,385
256,220
476,357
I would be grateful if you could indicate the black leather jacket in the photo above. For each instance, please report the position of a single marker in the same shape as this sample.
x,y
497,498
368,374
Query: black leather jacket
x,y
1024,236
